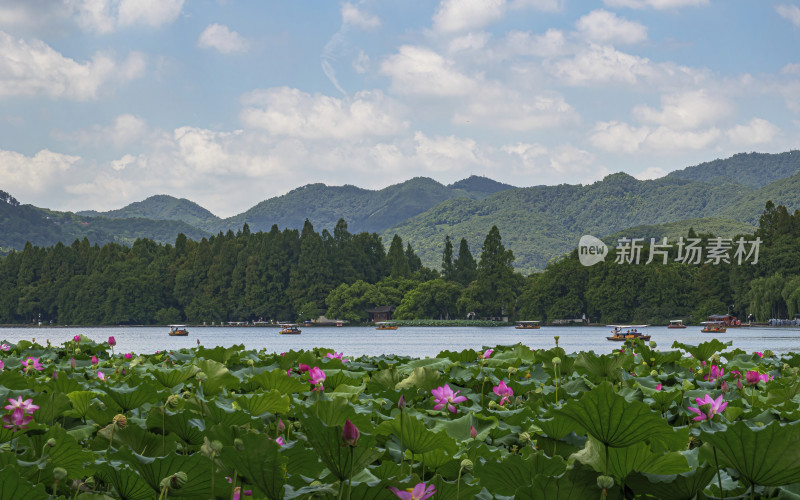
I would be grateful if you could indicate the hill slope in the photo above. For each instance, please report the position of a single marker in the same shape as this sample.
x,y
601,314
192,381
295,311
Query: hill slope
x,y
163,207
750,169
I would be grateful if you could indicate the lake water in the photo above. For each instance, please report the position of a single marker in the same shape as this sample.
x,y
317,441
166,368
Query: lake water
x,y
408,341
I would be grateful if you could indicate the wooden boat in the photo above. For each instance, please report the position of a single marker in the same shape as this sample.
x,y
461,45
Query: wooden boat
x,y
289,329
621,333
676,323
713,327
178,331
386,325
527,325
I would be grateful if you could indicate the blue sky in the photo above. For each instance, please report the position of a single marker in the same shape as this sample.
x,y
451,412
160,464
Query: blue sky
x,y
227,103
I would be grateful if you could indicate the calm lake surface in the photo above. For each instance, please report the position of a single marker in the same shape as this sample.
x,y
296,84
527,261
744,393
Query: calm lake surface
x,y
408,341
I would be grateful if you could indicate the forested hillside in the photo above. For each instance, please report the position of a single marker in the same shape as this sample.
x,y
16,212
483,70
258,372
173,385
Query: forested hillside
x,y
750,169
163,207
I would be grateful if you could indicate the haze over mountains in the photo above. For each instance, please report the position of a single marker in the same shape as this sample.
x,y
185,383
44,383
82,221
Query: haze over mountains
x,y
538,223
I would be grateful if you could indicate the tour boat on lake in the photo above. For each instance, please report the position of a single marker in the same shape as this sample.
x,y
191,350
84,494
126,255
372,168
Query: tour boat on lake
x,y
289,329
178,331
713,327
676,323
621,333
527,325
386,325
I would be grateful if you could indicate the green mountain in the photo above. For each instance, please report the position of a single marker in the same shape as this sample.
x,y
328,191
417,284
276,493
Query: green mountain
x,y
719,226
363,209
750,169
163,207
784,192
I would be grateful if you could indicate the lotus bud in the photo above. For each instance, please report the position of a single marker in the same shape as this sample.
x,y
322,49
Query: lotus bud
x,y
55,374
175,481
120,420
95,360
238,444
524,437
467,465
653,344
59,473
605,482
251,362
493,405
350,434
473,432
654,373
111,341
556,337
401,403
216,446
652,360
686,385
556,361
739,384
281,426
201,376
724,387
77,351
512,370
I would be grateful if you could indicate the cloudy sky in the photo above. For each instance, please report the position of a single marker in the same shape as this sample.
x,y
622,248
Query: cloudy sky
x,y
228,102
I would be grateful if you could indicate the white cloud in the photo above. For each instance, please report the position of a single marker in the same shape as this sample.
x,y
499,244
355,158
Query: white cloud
x,y
686,111
651,173
124,131
30,178
552,43
619,137
441,154
352,16
791,69
469,42
655,4
461,15
789,12
497,106
34,68
291,112
757,131
602,26
602,64
361,62
105,16
544,5
219,37
420,70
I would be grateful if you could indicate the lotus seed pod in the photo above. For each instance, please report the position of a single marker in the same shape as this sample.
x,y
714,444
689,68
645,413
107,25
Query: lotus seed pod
x,y
652,360
251,362
121,420
605,482
556,361
467,465
173,400
175,481
238,444
524,437
59,473
512,370
216,446
654,373
201,376
77,351
51,442
492,405
653,344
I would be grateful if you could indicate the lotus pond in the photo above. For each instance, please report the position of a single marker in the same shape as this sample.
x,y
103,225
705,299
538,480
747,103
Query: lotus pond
x,y
706,421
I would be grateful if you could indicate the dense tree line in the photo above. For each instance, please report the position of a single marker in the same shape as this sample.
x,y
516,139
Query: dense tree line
x,y
294,275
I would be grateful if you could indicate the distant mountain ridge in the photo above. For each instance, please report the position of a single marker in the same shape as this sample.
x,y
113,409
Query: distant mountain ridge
x,y
537,223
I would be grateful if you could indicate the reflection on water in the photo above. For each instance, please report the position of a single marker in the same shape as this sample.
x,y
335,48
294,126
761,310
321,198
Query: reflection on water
x,y
406,341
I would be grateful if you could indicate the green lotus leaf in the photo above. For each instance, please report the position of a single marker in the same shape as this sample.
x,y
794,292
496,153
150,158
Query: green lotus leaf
x,y
64,383
130,398
12,379
170,377
685,486
327,442
436,458
219,354
431,363
66,453
196,467
458,428
303,461
184,424
638,457
218,377
280,381
126,482
449,490
781,390
221,412
603,367
464,356
766,456
612,420
663,400
384,379
334,378
555,428
14,487
704,351
336,411
258,404
82,432
421,378
578,483
81,402
514,472
415,436
349,392
139,440
52,406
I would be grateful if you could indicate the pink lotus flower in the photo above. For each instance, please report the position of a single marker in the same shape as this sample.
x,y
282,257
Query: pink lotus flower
x,y
715,373
17,420
759,354
2,365
76,338
350,434
5,347
473,432
280,441
444,396
337,355
27,406
112,341
504,391
420,492
488,353
281,426
753,377
102,376
316,376
72,363
708,407
401,403
658,387
237,493
31,363
128,355
303,367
